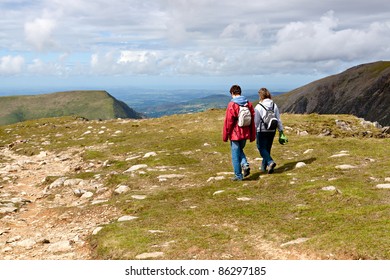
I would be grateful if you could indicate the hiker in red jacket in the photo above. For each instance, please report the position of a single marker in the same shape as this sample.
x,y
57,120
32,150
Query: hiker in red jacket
x,y
238,134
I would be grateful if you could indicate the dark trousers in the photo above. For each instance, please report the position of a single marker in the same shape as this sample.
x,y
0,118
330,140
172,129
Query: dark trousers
x,y
264,142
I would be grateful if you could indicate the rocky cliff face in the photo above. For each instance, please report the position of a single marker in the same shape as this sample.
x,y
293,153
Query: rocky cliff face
x,y
363,91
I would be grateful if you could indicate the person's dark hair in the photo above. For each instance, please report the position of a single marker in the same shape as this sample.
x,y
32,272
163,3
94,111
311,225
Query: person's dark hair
x,y
264,94
236,90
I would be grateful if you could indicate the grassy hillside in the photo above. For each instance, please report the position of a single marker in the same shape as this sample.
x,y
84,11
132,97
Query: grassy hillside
x,y
363,91
187,208
87,104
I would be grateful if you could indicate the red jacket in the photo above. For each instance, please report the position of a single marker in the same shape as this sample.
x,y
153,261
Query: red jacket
x,y
231,130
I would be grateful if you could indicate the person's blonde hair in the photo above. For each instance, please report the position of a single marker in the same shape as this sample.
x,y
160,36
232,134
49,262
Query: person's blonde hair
x,y
264,94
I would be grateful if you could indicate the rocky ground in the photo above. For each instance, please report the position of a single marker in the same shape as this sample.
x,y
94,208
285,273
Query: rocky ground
x,y
46,214
48,221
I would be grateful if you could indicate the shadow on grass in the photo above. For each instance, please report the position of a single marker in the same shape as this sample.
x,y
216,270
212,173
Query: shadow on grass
x,y
253,177
279,169
291,165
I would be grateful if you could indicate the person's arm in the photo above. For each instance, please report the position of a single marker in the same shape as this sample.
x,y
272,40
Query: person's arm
x,y
229,123
277,114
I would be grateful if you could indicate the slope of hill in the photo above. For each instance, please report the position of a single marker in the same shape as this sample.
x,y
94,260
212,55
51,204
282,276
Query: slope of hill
x,y
363,91
87,104
161,188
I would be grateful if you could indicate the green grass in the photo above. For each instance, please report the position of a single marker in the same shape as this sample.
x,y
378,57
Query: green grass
x,y
87,104
351,223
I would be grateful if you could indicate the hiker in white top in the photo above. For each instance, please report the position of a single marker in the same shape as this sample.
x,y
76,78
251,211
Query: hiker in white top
x,y
266,124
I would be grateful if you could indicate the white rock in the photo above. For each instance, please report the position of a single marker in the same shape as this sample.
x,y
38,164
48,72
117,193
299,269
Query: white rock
x,y
7,249
329,188
14,239
78,192
136,167
4,210
218,178
127,218
226,173
156,231
42,155
339,155
122,189
87,195
61,246
27,243
383,186
308,151
133,157
12,168
170,176
244,199
58,183
99,201
17,200
150,154
300,165
96,230
153,255
218,192
303,133
73,182
139,197
297,241
387,179
345,167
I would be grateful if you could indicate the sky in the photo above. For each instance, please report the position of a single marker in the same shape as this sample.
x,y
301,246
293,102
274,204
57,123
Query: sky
x,y
196,44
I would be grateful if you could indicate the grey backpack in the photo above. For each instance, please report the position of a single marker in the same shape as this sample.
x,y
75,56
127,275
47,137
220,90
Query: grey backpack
x,y
270,120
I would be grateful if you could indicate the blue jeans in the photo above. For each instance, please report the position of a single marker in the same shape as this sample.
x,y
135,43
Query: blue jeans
x,y
238,157
264,142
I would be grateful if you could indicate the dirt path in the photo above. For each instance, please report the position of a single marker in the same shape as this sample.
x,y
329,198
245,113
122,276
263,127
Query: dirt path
x,y
39,222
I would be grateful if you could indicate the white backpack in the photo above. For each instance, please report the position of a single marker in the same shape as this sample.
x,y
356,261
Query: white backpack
x,y
244,116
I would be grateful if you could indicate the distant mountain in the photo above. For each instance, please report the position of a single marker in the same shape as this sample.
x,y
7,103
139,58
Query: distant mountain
x,y
87,104
363,91
195,105
215,101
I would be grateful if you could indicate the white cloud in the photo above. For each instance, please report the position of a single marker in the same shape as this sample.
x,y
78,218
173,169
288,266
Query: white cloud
x,y
250,32
104,64
137,57
186,37
10,65
57,67
322,40
39,33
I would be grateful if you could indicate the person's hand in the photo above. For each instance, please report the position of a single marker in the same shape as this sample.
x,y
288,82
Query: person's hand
x,y
282,138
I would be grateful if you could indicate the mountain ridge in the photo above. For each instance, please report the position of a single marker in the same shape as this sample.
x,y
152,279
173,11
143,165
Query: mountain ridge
x,y
88,104
363,91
